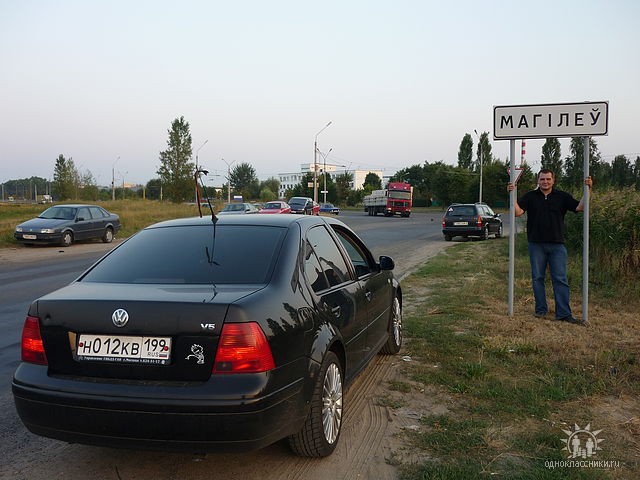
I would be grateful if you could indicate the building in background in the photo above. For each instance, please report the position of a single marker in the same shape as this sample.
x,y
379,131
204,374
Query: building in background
x,y
290,180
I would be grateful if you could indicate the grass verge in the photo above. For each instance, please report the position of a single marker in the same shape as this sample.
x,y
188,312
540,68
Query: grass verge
x,y
518,386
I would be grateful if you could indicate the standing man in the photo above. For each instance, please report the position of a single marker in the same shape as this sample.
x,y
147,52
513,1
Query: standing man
x,y
546,207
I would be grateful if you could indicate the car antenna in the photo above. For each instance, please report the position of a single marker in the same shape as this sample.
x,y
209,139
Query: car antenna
x,y
197,176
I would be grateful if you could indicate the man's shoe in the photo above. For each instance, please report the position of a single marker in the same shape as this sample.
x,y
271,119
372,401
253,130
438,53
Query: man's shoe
x,y
540,315
575,321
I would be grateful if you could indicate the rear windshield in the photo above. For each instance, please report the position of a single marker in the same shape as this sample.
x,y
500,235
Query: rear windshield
x,y
237,254
462,211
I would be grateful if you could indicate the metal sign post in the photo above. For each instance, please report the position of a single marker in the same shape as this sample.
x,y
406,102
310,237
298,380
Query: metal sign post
x,y
585,237
513,195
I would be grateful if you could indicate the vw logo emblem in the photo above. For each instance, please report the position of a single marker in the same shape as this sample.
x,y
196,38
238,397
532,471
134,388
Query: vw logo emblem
x,y
120,317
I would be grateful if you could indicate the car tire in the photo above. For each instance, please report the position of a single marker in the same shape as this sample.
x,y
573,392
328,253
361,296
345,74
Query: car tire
x,y
108,235
67,239
320,433
447,238
499,232
485,233
395,329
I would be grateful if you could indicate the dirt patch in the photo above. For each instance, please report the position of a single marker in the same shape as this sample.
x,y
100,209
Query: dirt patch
x,y
42,253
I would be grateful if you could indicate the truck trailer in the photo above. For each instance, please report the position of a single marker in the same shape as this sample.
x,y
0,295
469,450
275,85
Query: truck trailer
x,y
394,200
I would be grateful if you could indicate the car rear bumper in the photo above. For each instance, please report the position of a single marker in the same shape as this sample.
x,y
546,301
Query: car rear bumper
x,y
469,231
191,416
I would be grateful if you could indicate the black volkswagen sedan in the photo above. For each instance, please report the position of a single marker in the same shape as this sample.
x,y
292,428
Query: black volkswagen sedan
x,y
64,224
209,334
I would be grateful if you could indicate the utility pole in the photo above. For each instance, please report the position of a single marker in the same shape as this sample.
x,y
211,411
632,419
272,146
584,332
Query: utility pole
x,y
324,174
228,179
113,179
315,163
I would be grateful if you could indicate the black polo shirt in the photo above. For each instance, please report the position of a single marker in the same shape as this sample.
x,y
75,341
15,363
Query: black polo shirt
x,y
545,214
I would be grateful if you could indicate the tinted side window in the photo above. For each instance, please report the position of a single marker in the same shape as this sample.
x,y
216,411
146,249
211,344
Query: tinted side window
x,y
313,271
84,213
356,254
331,261
96,212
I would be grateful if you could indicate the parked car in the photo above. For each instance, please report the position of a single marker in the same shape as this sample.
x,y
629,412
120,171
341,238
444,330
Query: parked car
x,y
238,208
276,207
329,208
65,224
304,205
471,220
199,335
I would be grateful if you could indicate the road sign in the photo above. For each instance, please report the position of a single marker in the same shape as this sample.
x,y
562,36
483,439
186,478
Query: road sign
x,y
586,119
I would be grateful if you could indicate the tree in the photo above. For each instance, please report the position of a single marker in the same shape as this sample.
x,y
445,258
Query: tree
x,y
86,187
636,173
243,181
272,184
483,152
65,178
372,182
465,154
153,189
343,187
551,157
622,172
176,171
574,164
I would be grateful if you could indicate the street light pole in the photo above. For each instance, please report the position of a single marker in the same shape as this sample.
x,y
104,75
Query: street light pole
x,y
197,150
480,148
324,174
228,179
315,163
113,179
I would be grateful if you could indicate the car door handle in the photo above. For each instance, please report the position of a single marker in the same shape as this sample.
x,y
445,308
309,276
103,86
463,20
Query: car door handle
x,y
368,294
336,311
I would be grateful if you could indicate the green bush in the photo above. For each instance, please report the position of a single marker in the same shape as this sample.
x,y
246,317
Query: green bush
x,y
614,238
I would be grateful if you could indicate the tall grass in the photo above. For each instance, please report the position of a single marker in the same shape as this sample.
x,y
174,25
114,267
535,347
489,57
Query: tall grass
x,y
614,239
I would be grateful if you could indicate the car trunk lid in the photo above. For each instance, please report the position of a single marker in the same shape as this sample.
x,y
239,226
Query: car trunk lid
x,y
129,331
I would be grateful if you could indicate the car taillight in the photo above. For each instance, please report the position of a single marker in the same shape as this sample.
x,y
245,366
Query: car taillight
x,y
32,346
443,222
243,348
479,221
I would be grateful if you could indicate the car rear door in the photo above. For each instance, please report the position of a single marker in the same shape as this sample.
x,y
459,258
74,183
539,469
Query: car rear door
x,y
98,222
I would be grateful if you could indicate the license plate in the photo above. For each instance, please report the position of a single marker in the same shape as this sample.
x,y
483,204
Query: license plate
x,y
460,224
124,349
29,237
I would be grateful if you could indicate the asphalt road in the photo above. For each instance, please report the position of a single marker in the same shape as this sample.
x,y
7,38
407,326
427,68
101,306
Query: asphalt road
x,y
410,241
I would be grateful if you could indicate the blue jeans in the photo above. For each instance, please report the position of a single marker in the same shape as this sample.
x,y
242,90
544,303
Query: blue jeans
x,y
554,255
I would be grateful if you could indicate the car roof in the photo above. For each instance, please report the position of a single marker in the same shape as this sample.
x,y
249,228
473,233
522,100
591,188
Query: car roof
x,y
75,205
284,220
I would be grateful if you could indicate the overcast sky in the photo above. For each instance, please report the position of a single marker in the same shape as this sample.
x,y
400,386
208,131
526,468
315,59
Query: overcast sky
x,y
401,81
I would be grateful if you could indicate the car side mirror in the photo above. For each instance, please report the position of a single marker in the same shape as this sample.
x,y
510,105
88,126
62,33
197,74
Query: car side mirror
x,y
80,219
386,263
498,215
